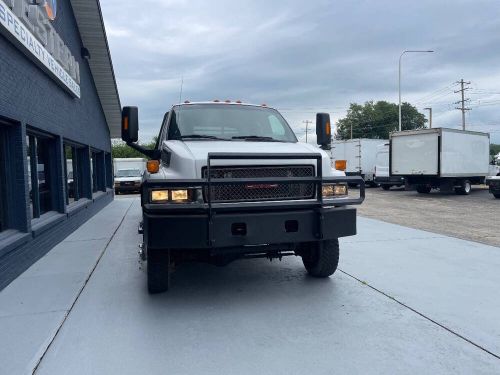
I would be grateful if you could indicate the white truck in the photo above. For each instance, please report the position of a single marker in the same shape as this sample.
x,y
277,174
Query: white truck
x,y
357,157
229,181
382,175
128,174
440,158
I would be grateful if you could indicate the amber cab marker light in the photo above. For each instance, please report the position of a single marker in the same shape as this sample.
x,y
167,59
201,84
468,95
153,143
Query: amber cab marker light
x,y
227,101
186,102
340,165
125,123
216,100
153,166
238,102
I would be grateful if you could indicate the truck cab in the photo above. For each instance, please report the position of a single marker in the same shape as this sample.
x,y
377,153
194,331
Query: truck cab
x,y
230,181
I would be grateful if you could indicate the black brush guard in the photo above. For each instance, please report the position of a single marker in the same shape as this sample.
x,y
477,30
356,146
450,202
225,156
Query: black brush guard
x,y
210,209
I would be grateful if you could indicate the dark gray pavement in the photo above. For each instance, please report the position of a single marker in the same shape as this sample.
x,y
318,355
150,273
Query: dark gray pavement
x,y
471,217
405,301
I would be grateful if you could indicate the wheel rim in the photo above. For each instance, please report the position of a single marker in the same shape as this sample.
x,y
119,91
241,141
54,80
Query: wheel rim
x,y
467,187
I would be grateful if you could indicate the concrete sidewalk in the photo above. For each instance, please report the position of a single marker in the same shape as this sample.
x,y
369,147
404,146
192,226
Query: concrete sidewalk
x,y
405,301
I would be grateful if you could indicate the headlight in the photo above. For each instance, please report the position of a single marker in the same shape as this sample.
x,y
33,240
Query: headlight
x,y
174,195
334,190
159,196
179,195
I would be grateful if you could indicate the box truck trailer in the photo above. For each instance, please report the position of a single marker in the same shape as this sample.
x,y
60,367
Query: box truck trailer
x,y
357,157
440,158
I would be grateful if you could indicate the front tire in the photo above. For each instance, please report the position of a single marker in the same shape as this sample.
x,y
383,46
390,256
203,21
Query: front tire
x,y
423,189
321,258
158,270
464,189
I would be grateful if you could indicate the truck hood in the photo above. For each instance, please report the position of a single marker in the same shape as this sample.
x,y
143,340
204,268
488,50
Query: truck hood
x,y
188,158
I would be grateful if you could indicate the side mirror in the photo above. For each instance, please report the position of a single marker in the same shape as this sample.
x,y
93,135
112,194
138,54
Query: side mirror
x,y
130,124
323,130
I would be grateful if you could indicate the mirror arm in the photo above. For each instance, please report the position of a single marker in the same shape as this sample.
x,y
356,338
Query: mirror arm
x,y
152,154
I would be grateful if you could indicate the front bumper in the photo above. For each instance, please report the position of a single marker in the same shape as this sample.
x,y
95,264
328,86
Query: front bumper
x,y
389,180
216,225
183,230
127,187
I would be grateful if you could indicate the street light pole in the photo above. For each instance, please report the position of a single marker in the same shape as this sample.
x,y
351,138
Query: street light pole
x,y
399,78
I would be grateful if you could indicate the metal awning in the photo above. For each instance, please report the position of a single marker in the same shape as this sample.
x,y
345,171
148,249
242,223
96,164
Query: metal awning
x,y
91,26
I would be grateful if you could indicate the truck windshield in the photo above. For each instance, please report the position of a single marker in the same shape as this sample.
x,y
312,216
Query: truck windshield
x,y
228,122
128,173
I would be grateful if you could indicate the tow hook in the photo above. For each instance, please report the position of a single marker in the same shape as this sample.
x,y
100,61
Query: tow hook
x,y
141,252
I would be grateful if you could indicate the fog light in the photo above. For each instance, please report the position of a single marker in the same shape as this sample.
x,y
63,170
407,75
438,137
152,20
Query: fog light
x,y
179,195
159,196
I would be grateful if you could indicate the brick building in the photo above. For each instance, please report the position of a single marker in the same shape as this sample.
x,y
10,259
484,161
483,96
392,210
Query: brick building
x,y
59,107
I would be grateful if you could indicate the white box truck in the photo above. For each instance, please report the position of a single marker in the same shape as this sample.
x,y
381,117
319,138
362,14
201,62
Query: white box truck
x,y
357,156
440,158
382,175
128,174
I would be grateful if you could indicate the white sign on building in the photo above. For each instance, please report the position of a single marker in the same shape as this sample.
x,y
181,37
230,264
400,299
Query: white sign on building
x,y
28,25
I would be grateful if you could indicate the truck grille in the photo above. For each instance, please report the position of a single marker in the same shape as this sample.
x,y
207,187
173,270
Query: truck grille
x,y
257,191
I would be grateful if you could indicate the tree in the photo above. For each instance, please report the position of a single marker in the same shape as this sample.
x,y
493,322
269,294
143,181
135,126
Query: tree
x,y
119,149
377,120
494,149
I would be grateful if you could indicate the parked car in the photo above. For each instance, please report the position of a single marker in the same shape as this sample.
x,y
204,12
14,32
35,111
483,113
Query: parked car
x,y
128,180
382,175
446,159
230,181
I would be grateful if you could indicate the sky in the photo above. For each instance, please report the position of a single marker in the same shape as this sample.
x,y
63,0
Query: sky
x,y
303,57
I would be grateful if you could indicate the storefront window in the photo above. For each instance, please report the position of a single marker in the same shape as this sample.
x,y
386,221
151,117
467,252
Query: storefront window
x,y
73,172
97,171
3,183
39,171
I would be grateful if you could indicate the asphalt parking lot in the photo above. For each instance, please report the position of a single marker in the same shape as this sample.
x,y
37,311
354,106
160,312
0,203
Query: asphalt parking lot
x,y
472,217
399,303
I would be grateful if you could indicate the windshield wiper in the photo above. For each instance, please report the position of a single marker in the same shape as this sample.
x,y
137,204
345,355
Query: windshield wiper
x,y
203,136
257,138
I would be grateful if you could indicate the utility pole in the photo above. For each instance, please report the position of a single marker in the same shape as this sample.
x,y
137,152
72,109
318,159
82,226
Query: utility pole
x,y
430,117
307,122
462,102
351,129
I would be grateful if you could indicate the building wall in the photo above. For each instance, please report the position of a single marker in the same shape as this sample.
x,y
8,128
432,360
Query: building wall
x,y
30,99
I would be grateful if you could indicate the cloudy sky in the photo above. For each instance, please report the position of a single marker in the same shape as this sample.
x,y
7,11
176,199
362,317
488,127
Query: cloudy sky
x,y
307,56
